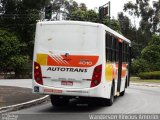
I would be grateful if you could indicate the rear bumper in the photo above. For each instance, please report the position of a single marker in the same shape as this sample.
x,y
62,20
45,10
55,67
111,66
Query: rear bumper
x,y
100,91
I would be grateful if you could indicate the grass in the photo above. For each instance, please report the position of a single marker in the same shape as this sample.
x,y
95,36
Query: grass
x,y
137,79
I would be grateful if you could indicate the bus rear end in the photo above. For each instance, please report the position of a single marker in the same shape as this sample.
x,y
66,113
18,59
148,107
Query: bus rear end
x,y
66,59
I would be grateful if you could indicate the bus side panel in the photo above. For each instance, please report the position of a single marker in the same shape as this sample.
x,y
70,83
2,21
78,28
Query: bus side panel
x,y
106,85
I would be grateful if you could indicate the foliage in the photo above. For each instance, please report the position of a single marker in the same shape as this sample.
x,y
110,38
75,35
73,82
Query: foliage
x,y
35,4
155,40
131,33
83,7
12,58
92,16
114,24
150,57
148,25
81,15
139,65
151,53
20,17
68,8
150,75
125,25
149,14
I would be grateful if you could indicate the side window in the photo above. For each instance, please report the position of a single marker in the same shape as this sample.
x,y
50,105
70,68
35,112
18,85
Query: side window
x,y
108,47
125,52
114,49
106,44
111,48
117,50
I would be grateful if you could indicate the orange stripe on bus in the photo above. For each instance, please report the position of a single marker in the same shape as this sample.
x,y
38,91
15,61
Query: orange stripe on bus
x,y
72,61
109,72
68,61
112,73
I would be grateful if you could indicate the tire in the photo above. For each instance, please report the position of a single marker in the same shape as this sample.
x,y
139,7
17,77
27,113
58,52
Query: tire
x,y
126,83
59,101
123,92
109,102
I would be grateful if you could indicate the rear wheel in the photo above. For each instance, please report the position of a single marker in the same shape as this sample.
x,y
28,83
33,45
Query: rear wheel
x,y
123,92
59,101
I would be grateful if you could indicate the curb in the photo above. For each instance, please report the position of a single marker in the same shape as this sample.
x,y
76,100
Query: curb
x,y
145,84
24,105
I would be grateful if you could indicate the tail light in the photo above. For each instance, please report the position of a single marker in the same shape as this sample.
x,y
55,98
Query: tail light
x,y
37,73
96,77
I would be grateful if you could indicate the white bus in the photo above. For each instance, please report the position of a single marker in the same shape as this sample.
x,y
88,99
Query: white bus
x,y
74,59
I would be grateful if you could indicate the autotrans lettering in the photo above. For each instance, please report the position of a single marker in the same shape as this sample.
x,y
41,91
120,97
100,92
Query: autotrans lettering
x,y
66,69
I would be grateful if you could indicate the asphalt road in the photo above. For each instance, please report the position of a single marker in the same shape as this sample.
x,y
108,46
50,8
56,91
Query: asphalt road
x,y
25,83
138,99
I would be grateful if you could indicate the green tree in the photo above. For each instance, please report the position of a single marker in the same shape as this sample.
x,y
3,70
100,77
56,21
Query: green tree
x,y
151,53
11,53
149,59
92,16
125,25
68,7
81,15
83,6
139,65
149,14
148,24
114,24
20,16
137,37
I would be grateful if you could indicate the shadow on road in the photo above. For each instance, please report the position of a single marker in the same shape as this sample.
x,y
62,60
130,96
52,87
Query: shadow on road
x,y
77,106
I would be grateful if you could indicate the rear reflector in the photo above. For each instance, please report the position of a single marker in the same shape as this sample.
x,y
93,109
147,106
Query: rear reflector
x,y
38,73
96,77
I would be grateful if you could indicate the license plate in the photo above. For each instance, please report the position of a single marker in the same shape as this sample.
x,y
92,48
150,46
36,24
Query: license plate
x,y
67,83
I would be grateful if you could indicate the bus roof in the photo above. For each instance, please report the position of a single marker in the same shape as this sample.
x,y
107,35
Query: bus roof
x,y
116,34
86,24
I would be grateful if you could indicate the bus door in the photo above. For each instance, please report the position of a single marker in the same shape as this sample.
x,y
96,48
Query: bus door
x,y
119,65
